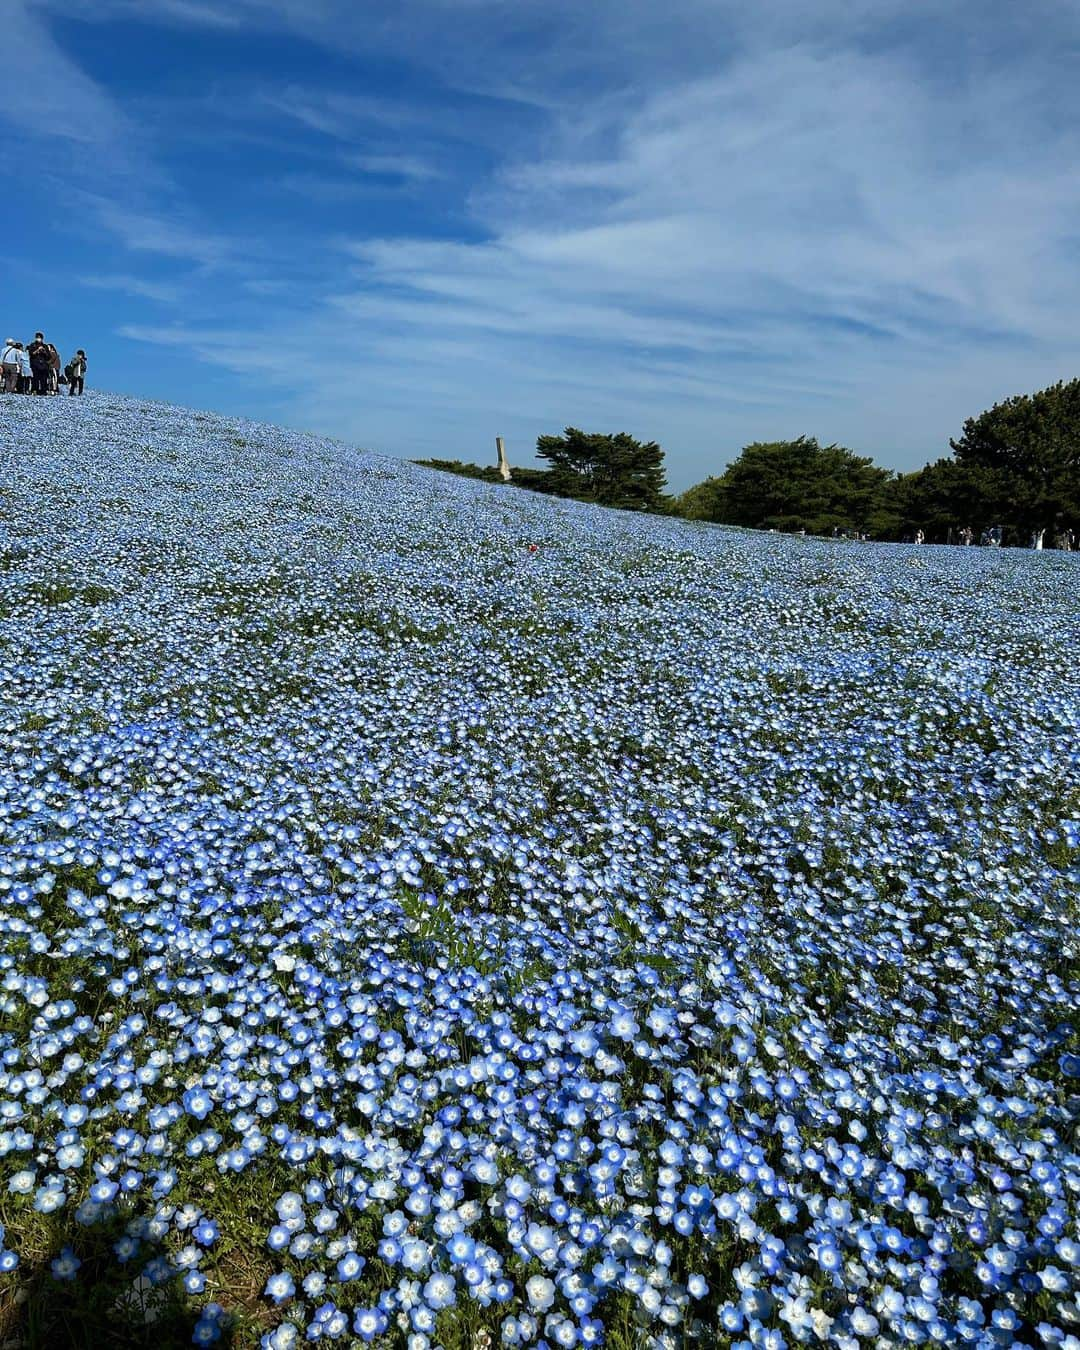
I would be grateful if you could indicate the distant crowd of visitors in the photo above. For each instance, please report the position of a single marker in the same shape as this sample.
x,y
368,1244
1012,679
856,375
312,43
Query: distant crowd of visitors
x,y
38,369
991,537
1063,538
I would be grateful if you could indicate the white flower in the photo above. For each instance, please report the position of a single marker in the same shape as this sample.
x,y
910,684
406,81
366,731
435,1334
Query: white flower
x,y
540,1292
822,1323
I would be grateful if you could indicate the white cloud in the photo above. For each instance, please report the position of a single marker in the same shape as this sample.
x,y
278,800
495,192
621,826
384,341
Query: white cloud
x,y
148,231
803,221
47,96
107,177
411,168
161,292
853,219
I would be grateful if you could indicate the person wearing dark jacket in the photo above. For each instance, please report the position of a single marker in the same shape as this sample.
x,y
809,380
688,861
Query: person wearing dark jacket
x,y
76,373
40,363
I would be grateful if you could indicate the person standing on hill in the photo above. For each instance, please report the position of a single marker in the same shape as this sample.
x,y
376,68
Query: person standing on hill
x,y
40,363
10,366
54,369
26,376
76,373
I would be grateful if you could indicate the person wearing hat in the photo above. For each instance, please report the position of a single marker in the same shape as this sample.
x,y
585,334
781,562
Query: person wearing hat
x,y
10,366
76,373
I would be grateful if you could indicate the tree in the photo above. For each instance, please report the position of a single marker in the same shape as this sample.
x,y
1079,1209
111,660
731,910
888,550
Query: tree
x,y
482,471
791,485
610,470
703,501
944,497
1030,445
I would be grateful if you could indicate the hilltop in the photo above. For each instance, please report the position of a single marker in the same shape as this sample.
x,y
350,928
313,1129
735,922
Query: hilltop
x,y
515,917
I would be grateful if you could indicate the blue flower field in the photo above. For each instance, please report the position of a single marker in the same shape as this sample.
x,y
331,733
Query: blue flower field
x,y
433,915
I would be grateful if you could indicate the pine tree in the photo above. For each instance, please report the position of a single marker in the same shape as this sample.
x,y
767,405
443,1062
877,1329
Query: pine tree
x,y
612,470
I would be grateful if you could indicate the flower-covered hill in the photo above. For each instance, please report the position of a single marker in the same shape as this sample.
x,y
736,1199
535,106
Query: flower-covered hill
x,y
434,915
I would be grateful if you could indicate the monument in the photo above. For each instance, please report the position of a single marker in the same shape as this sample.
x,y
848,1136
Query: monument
x,y
504,466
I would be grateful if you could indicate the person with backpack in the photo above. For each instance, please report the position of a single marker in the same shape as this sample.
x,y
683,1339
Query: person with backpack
x,y
10,366
76,373
40,363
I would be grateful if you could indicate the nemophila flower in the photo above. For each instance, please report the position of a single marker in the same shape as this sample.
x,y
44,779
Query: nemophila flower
x,y
460,1248
49,1198
206,1332
280,1287
679,984
389,1250
158,1270
540,1293
314,1285
290,1206
369,1323
286,1336
439,1291
65,1266
518,1188
198,1103
22,1182
349,1267
395,1224
415,1255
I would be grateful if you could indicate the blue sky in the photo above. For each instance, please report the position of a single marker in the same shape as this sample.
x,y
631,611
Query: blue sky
x,y
420,225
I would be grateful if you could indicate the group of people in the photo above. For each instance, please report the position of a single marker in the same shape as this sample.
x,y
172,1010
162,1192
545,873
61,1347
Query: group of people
x,y
38,369
991,536
1063,538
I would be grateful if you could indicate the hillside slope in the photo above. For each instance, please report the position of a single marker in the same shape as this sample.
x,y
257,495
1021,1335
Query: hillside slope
x,y
601,924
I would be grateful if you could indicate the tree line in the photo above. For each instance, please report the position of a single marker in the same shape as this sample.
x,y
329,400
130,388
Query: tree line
x,y
1016,465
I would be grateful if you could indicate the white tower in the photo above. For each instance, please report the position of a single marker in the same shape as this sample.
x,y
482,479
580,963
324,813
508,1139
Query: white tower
x,y
504,467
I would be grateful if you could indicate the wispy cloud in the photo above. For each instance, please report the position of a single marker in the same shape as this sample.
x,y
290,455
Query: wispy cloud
x,y
806,231
147,231
228,348
343,116
201,12
108,178
49,97
707,222
160,292
410,168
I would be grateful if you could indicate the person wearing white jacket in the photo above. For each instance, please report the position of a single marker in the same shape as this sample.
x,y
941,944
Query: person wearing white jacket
x,y
10,366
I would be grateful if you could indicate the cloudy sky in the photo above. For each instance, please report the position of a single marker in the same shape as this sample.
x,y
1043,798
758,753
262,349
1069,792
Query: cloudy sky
x,y
418,225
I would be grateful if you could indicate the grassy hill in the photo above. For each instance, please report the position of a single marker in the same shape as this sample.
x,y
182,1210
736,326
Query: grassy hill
x,y
436,915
